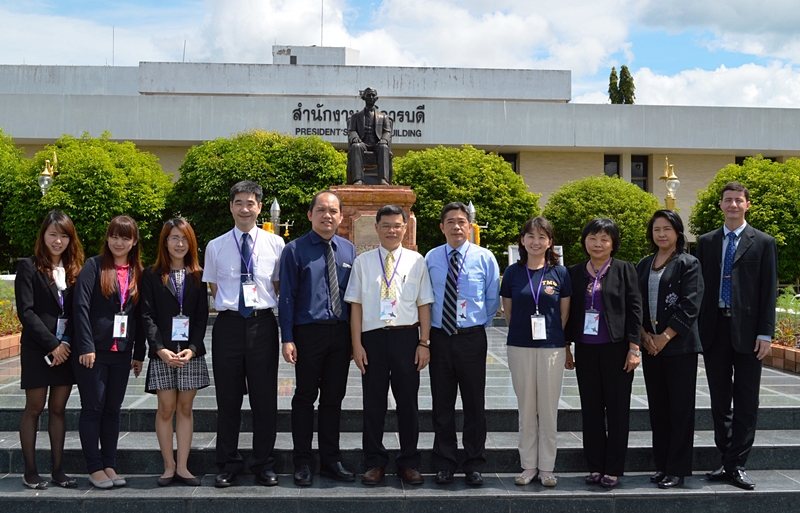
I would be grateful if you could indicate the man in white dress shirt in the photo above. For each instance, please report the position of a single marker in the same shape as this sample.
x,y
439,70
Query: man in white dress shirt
x,y
242,267
390,295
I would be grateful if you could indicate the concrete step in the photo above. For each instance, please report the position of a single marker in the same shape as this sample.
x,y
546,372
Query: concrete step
x,y
775,491
499,420
138,452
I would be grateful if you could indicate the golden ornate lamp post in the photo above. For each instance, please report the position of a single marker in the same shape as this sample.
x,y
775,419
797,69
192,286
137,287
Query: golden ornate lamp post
x,y
46,178
671,183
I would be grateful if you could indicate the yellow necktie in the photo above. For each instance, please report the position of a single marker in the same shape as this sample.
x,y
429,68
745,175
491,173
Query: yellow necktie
x,y
388,269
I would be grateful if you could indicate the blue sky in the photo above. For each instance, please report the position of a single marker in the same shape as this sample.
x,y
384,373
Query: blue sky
x,y
715,52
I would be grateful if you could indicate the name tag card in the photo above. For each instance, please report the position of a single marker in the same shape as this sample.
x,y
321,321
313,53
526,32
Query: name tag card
x,y
180,328
591,322
388,309
538,329
250,293
120,326
61,327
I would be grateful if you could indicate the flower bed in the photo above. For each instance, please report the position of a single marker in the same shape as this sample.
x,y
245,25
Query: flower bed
x,y
10,329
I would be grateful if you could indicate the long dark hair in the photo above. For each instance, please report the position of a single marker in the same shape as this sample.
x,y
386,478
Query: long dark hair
x,y
190,260
543,225
677,224
72,257
121,226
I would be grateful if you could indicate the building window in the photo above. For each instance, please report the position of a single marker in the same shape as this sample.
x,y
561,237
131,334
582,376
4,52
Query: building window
x,y
292,59
611,165
639,171
511,158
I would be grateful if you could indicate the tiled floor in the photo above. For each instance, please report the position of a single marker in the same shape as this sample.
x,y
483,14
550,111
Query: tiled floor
x,y
778,388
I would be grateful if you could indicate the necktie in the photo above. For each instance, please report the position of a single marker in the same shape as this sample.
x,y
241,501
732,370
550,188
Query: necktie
x,y
727,268
333,281
389,292
449,324
245,310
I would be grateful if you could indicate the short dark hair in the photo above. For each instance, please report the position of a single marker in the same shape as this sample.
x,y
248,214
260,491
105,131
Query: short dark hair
x,y
601,224
543,225
456,205
390,210
320,193
735,186
364,92
248,187
677,224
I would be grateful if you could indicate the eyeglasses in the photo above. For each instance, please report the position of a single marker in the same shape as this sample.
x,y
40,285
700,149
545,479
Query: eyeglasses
x,y
390,227
178,240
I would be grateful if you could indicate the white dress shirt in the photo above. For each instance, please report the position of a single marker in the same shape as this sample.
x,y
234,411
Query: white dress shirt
x,y
223,266
411,281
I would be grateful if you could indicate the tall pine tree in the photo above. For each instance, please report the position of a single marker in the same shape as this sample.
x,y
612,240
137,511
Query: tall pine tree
x,y
626,87
613,88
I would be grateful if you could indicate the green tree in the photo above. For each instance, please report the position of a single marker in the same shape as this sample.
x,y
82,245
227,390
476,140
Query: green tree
x,y
441,175
11,162
576,203
291,169
613,88
775,197
626,88
97,180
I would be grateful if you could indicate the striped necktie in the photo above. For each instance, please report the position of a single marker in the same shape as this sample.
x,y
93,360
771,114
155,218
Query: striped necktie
x,y
449,324
333,280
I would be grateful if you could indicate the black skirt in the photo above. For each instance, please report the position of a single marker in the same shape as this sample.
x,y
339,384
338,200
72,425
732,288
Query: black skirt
x,y
37,374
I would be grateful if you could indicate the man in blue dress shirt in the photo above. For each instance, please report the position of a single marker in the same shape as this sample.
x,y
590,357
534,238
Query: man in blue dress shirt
x,y
315,333
466,287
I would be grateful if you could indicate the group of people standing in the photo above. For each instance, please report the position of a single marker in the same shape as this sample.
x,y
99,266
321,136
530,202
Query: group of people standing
x,y
394,312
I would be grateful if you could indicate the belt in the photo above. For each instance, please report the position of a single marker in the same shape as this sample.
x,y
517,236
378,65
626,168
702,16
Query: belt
x,y
415,325
463,331
329,321
725,312
255,313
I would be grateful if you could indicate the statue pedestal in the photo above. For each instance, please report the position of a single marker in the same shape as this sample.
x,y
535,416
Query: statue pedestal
x,y
360,204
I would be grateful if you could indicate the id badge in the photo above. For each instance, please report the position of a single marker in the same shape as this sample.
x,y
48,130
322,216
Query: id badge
x,y
180,328
538,329
461,310
591,322
388,309
250,293
120,326
61,327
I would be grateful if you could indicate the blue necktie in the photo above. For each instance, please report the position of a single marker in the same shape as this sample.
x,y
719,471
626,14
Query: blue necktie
x,y
727,268
245,310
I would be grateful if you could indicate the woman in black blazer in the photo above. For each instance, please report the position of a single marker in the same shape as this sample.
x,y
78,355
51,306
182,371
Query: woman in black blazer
x,y
43,290
108,345
671,284
174,315
604,322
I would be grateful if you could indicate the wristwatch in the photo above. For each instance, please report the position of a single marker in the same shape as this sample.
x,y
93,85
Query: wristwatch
x,y
425,343
638,354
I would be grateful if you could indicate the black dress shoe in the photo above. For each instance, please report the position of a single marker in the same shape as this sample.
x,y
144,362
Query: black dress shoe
x,y
657,477
188,481
670,482
717,475
474,479
225,479
165,481
303,476
338,472
444,477
267,478
739,479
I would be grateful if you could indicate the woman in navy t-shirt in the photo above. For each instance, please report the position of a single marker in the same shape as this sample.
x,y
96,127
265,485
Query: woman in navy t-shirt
x,y
536,296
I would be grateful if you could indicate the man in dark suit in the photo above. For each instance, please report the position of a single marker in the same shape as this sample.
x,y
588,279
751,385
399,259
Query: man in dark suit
x,y
737,321
369,130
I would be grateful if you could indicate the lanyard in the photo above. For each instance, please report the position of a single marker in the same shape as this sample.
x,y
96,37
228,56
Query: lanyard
x,y
239,249
460,268
539,290
383,268
123,293
597,277
183,289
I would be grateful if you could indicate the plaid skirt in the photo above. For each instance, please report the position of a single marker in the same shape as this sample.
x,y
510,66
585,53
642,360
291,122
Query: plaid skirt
x,y
192,376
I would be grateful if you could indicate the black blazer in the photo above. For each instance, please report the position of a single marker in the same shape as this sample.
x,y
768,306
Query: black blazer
x,y
94,316
160,305
622,302
680,291
38,307
754,287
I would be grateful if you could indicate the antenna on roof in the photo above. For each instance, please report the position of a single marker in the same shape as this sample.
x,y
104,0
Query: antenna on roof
x,y
184,51
113,42
321,20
